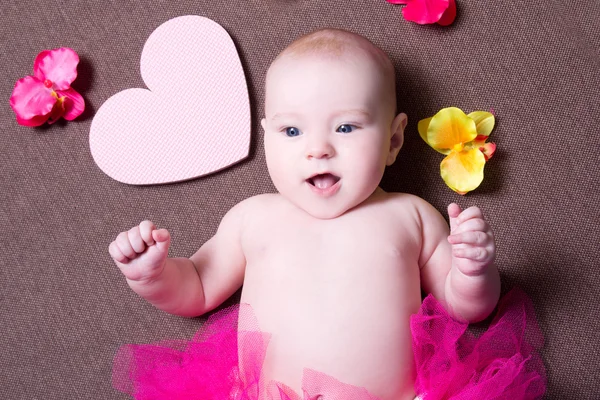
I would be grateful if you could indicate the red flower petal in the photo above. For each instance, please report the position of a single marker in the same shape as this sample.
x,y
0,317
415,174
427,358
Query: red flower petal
x,y
488,150
30,98
449,15
424,11
73,103
59,66
35,121
38,59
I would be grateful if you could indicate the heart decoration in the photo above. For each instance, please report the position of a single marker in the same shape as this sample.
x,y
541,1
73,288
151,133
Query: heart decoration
x,y
194,118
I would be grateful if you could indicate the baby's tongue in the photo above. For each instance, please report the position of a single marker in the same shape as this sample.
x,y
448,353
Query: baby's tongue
x,y
324,181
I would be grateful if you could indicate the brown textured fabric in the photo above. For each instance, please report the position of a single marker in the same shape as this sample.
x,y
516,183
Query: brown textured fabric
x,y
64,307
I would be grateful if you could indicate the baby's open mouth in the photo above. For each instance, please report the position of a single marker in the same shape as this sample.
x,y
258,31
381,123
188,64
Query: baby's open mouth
x,y
323,181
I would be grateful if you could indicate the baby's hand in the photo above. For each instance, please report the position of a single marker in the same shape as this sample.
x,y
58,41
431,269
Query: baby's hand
x,y
141,252
472,240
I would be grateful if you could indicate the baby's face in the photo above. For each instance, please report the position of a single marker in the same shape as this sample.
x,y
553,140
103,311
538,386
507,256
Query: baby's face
x,y
327,131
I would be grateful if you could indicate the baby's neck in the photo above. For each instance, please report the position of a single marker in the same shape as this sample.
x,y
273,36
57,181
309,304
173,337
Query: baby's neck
x,y
378,195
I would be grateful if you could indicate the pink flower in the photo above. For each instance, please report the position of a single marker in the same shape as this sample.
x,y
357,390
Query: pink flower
x,y
47,95
424,12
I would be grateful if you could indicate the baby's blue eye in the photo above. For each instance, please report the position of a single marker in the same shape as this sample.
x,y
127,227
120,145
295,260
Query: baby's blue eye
x,y
345,128
292,131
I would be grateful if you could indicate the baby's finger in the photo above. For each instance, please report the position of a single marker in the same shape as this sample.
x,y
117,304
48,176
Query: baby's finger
x,y
137,243
472,237
123,244
161,235
453,213
116,254
146,228
163,239
471,253
469,213
473,225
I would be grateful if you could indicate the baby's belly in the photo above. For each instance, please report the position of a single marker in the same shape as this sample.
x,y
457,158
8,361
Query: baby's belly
x,y
351,326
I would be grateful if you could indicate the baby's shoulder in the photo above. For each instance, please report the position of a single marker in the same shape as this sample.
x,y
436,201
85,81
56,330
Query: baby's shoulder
x,y
248,211
405,203
257,205
394,199
260,202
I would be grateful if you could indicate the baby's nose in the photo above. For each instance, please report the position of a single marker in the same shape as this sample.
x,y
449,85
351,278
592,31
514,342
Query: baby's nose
x,y
320,149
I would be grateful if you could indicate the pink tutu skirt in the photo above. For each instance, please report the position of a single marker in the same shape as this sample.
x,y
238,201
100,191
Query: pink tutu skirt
x,y
451,363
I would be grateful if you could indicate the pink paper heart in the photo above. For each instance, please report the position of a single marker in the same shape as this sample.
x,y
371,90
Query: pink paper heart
x,y
194,118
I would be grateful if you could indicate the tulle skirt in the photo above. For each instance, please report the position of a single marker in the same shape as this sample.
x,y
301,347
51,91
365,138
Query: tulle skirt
x,y
451,363
503,363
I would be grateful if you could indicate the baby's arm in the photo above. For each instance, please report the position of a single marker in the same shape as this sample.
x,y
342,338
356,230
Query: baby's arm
x,y
459,269
182,286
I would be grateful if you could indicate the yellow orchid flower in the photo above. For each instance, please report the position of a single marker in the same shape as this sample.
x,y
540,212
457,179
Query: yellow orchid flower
x,y
462,139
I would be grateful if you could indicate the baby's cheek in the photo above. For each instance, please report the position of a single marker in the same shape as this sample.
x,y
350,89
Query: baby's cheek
x,y
273,154
370,175
377,164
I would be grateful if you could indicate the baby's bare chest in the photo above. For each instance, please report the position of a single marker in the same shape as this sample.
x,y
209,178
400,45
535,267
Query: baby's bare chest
x,y
365,256
356,243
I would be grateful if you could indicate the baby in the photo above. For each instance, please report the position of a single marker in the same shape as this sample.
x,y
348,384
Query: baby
x,y
332,266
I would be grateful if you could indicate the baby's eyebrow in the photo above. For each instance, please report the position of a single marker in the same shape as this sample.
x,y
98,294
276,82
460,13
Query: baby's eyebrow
x,y
279,116
357,111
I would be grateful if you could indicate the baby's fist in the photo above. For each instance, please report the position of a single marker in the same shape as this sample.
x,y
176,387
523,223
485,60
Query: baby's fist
x,y
141,252
472,240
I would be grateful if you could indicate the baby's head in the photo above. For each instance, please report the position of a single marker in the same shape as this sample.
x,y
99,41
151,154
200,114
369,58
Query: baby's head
x,y
330,121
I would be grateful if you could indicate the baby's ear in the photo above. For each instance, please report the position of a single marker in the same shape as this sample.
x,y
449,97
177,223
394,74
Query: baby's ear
x,y
263,123
397,139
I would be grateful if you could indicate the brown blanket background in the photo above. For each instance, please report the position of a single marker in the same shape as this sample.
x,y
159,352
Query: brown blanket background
x,y
64,306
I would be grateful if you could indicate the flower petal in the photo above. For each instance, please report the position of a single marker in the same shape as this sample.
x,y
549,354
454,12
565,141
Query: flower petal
x,y
425,11
450,127
449,15
488,150
73,103
35,121
484,122
422,126
30,98
37,72
58,66
463,171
